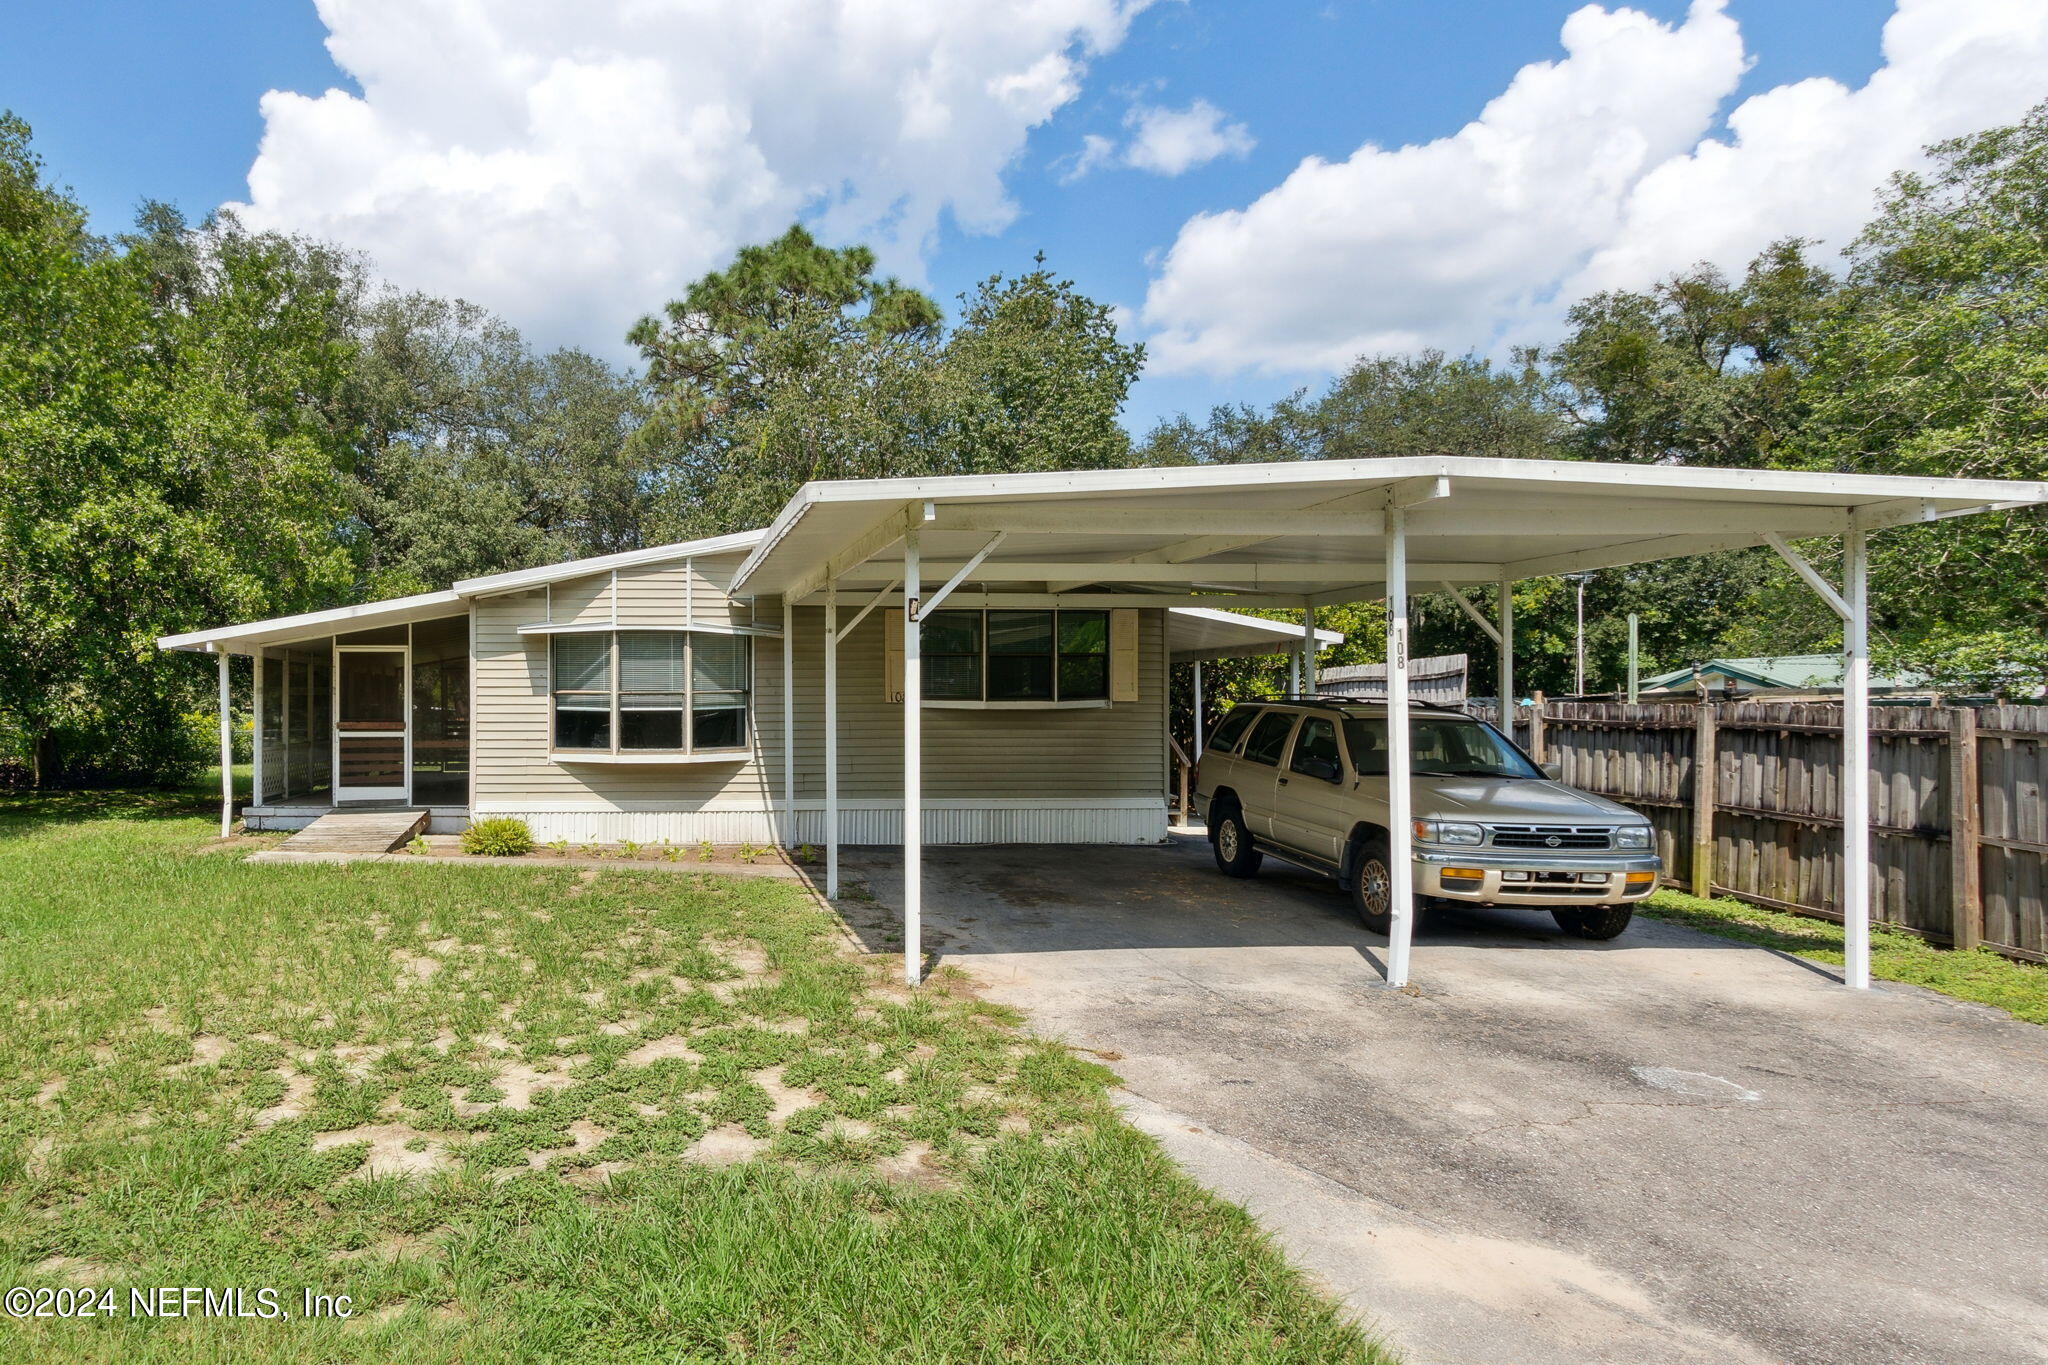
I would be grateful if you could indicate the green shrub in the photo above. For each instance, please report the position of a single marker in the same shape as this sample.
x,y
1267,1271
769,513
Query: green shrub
x,y
501,836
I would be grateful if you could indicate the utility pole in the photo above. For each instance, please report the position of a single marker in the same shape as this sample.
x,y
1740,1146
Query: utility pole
x,y
1579,650
1631,658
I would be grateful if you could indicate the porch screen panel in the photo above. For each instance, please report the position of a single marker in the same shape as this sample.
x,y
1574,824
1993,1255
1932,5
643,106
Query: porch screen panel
x,y
270,730
298,730
440,711
319,728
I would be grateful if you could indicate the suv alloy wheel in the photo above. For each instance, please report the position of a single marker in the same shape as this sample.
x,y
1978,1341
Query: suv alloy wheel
x,y
1235,853
1372,886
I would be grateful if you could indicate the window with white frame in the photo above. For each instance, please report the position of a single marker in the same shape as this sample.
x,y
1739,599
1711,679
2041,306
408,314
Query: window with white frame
x,y
633,691
1016,656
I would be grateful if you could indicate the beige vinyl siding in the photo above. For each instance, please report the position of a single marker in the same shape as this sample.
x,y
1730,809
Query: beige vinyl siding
x,y
514,708
1106,751
1092,753
579,601
670,594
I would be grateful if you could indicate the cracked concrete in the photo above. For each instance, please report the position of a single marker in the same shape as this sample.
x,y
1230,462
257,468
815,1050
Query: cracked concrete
x,y
1670,1147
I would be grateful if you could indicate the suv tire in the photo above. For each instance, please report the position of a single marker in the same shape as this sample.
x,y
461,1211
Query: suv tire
x,y
1594,921
1372,884
1235,853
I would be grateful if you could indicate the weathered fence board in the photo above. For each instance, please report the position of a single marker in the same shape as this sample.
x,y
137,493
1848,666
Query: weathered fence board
x,y
1959,829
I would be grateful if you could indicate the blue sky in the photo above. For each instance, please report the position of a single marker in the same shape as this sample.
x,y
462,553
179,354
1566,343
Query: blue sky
x,y
133,100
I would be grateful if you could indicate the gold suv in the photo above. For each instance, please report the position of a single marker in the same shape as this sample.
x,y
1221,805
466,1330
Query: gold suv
x,y
1306,781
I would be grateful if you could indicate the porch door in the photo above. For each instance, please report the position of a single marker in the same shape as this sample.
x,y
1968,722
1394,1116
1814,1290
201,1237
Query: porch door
x,y
372,745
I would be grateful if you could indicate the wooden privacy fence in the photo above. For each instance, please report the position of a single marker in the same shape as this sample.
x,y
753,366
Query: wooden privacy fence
x,y
1959,834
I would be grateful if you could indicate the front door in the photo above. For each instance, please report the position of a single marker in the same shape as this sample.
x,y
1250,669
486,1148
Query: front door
x,y
371,742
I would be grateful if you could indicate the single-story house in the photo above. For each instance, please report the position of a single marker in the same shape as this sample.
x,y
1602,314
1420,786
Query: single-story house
x,y
770,685
637,696
1780,677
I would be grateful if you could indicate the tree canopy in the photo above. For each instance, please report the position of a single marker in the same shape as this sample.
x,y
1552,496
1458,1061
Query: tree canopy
x,y
201,423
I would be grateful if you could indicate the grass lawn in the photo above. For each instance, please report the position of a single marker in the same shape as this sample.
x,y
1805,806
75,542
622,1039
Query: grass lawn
x,y
560,1114
1979,974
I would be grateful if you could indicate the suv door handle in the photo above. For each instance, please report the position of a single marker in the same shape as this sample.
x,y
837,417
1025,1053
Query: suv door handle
x,y
1283,781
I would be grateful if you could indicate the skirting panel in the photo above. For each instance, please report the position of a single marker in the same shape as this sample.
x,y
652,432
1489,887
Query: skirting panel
x,y
1131,821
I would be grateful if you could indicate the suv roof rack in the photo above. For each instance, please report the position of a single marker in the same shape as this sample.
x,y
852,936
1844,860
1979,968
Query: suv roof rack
x,y
1339,703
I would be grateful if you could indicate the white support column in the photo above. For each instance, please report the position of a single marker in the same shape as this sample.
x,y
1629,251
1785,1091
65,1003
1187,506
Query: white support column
x,y
227,751
1852,605
1400,815
1198,710
1506,605
256,728
832,739
1855,763
1308,649
788,721
913,766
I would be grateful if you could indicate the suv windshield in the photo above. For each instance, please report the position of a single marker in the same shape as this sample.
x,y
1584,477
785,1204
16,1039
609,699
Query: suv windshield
x,y
1441,746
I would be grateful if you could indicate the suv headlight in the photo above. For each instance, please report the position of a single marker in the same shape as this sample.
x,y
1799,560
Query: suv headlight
x,y
1448,832
1632,836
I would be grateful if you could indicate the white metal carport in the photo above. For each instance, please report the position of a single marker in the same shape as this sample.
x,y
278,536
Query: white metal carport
x,y
1311,534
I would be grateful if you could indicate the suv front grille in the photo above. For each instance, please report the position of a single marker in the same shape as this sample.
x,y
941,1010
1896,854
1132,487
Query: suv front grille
x,y
1552,838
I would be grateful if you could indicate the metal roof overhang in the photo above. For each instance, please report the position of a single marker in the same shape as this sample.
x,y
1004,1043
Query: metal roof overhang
x,y
1202,633
1285,534
249,636
316,625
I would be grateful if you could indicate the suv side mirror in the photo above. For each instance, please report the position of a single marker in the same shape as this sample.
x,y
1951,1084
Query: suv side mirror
x,y
1327,769
1554,771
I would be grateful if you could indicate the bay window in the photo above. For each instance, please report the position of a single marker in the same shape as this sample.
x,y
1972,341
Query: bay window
x,y
641,691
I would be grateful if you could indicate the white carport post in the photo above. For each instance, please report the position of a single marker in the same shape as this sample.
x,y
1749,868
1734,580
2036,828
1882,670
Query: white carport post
x,y
227,750
1856,763
1506,642
1198,710
913,764
788,721
1401,830
1852,604
832,739
1308,648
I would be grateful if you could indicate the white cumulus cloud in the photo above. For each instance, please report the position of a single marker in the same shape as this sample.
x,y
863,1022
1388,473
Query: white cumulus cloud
x,y
574,166
1598,170
1170,141
1164,141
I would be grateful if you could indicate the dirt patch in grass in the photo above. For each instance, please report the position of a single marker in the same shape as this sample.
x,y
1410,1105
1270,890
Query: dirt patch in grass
x,y
549,1111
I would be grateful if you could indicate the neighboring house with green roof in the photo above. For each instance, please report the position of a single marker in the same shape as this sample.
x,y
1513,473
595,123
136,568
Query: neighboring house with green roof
x,y
1787,676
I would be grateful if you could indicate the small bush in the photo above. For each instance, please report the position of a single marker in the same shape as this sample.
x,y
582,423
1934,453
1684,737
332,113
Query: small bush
x,y
501,836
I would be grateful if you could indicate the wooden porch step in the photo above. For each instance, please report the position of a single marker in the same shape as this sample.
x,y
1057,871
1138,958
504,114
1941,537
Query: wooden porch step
x,y
357,831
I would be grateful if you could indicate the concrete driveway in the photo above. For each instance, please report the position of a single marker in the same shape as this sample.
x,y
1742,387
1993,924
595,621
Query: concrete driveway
x,y
1670,1147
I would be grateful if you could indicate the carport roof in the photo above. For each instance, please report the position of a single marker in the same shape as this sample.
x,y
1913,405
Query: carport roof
x,y
1277,534
1196,633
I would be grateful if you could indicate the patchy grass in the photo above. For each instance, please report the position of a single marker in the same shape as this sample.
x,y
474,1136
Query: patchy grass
x,y
558,1113
1978,975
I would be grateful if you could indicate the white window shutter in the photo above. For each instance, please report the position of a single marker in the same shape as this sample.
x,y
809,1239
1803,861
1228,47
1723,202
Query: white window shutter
x,y
1123,654
892,654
